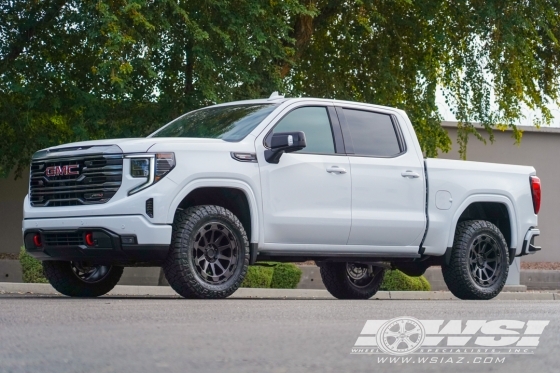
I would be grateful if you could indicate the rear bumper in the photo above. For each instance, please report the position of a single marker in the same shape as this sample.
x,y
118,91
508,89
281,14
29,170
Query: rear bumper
x,y
117,239
529,242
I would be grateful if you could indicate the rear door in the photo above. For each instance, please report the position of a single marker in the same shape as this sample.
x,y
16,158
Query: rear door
x,y
388,184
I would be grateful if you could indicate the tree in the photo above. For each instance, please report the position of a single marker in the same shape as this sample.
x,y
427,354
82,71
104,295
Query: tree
x,y
491,58
74,70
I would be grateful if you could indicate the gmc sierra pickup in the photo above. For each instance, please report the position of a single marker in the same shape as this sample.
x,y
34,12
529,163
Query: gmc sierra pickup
x,y
283,179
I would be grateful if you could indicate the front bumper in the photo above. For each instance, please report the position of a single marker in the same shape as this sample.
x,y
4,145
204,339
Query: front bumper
x,y
118,239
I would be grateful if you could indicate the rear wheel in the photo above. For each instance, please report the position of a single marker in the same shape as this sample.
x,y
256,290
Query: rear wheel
x,y
479,263
81,279
351,280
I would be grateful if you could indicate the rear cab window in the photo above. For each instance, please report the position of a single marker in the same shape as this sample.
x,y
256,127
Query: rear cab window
x,y
372,134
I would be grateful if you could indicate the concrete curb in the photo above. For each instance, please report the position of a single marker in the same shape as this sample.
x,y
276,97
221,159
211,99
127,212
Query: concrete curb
x,y
245,293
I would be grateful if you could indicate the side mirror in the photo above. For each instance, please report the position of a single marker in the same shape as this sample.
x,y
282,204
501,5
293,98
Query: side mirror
x,y
284,142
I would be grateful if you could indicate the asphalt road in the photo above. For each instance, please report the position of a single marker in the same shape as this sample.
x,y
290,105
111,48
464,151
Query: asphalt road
x,y
109,334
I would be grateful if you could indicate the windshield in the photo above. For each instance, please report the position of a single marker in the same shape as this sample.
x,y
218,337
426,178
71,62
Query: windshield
x,y
229,123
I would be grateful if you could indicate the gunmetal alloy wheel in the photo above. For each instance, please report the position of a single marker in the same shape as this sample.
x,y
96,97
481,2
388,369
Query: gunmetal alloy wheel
x,y
359,275
215,253
78,279
351,280
209,253
479,262
484,264
90,273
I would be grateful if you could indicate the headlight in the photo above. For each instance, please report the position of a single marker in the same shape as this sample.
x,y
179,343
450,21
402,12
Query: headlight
x,y
152,166
140,167
165,162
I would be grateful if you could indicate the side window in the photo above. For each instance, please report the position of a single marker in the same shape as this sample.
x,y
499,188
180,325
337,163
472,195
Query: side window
x,y
373,134
314,122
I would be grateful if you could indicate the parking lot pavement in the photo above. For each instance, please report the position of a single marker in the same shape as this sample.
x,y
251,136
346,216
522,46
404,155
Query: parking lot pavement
x,y
150,334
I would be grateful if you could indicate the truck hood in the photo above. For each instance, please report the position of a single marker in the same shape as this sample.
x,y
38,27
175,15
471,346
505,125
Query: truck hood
x,y
113,146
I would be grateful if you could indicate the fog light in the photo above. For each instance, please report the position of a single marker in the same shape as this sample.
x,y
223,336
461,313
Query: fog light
x,y
128,240
89,239
37,240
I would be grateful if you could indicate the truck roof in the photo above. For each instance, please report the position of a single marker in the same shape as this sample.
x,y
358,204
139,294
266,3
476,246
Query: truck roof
x,y
281,99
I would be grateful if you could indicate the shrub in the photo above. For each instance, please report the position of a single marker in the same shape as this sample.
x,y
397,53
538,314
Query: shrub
x,y
425,283
286,276
272,275
32,269
395,280
258,277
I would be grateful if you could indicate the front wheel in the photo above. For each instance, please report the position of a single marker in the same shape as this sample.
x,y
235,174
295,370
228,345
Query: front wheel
x,y
351,280
479,263
209,254
80,279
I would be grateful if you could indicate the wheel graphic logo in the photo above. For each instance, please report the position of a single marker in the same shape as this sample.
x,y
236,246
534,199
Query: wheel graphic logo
x,y
401,336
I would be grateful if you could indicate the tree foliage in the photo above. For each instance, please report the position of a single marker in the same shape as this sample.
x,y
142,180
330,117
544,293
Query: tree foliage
x,y
73,70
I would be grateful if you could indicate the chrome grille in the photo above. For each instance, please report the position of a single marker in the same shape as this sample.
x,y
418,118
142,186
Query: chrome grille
x,y
96,180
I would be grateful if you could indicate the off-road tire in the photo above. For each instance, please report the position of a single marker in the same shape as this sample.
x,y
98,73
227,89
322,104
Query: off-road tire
x,y
457,274
61,276
338,283
179,268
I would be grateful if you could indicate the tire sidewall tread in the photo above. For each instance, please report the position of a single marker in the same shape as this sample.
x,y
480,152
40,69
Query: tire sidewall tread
x,y
63,279
178,268
338,284
456,273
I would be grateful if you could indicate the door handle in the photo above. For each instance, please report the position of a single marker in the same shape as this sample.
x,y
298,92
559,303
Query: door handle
x,y
336,170
410,174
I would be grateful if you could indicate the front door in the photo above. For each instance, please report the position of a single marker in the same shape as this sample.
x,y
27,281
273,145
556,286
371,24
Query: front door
x,y
306,196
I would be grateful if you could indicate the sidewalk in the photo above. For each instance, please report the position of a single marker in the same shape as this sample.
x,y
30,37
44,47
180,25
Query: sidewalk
x,y
245,293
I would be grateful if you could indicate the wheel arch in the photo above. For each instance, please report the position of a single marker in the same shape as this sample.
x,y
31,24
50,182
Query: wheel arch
x,y
497,209
234,195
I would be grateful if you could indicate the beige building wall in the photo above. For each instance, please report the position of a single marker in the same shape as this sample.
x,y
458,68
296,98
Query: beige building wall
x,y
539,148
12,194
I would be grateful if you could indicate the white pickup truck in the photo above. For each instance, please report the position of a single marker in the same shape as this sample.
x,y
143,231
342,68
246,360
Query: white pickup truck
x,y
342,183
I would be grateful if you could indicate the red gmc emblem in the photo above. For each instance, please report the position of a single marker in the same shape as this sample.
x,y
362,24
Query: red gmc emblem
x,y
72,169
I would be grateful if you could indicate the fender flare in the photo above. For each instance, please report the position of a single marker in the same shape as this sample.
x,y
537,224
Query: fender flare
x,y
496,198
220,183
